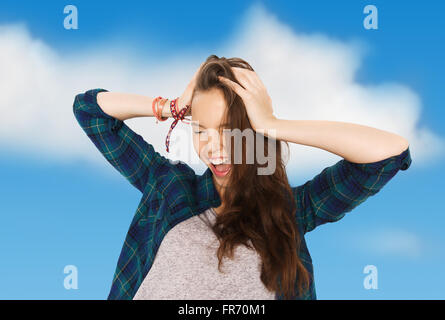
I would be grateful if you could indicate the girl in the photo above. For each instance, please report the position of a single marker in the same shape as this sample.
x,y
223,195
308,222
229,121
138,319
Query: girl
x,y
187,227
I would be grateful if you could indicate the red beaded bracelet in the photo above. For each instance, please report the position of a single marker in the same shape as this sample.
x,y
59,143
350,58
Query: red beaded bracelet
x,y
157,112
177,116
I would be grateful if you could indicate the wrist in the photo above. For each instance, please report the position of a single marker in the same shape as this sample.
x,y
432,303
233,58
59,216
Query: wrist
x,y
270,126
166,109
271,123
181,106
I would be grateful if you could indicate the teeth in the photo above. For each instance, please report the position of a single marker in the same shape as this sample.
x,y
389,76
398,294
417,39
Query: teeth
x,y
219,161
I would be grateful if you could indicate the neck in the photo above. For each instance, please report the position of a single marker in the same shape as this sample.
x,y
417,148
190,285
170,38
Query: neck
x,y
220,189
219,209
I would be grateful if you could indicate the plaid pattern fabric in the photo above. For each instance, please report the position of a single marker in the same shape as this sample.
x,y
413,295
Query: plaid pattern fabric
x,y
340,188
172,192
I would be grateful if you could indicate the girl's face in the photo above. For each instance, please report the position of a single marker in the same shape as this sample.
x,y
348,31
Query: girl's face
x,y
208,109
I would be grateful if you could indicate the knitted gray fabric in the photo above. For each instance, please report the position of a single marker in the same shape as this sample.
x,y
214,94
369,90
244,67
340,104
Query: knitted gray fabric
x,y
186,267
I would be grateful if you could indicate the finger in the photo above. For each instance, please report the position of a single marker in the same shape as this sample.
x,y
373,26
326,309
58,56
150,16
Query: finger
x,y
247,76
235,86
197,71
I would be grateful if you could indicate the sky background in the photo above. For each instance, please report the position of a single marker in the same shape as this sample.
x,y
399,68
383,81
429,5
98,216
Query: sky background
x,y
63,204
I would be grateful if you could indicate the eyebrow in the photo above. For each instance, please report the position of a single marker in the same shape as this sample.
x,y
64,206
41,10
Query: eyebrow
x,y
222,125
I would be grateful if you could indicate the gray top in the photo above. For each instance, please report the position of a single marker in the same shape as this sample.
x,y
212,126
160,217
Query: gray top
x,y
186,267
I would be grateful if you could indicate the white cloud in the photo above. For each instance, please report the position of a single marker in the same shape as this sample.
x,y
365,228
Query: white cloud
x,y
309,76
394,242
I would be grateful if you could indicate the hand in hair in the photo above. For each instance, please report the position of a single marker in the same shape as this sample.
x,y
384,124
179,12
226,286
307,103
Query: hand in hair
x,y
255,97
186,98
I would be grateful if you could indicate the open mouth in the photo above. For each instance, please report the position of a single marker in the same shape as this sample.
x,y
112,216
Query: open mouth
x,y
220,170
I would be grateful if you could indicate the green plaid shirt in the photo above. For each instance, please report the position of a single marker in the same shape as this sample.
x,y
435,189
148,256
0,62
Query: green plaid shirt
x,y
172,192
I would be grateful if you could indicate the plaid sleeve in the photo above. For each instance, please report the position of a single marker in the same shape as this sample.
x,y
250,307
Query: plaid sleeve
x,y
341,187
124,149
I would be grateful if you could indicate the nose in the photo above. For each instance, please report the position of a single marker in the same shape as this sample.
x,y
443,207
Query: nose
x,y
216,144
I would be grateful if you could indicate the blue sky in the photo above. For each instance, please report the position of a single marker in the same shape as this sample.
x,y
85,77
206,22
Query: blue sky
x,y
57,211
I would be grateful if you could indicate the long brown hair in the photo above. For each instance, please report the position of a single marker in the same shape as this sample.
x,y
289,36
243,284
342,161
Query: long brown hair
x,y
259,208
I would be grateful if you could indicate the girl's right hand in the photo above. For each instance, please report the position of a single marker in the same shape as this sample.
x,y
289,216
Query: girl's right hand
x,y
186,98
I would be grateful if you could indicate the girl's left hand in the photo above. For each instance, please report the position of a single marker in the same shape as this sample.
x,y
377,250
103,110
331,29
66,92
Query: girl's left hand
x,y
255,97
